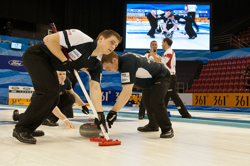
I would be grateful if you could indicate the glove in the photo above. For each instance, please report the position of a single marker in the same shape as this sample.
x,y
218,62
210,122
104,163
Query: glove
x,y
111,117
69,65
101,120
164,32
85,109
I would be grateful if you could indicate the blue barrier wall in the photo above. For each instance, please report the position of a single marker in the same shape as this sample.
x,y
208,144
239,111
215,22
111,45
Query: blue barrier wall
x,y
110,82
204,56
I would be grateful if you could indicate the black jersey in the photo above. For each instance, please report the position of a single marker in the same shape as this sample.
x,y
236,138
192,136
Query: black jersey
x,y
79,47
139,70
66,85
163,17
182,19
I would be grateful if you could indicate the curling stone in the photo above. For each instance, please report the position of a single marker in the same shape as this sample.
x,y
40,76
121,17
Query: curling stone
x,y
89,130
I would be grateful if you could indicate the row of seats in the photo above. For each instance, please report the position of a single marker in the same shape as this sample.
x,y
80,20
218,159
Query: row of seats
x,y
220,79
222,76
224,90
220,73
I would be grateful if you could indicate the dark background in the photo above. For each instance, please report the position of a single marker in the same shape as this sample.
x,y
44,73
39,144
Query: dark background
x,y
93,16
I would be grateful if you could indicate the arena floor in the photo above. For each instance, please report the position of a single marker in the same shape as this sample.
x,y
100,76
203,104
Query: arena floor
x,y
210,138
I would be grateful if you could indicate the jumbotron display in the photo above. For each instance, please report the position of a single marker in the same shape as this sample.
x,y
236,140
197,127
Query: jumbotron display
x,y
187,24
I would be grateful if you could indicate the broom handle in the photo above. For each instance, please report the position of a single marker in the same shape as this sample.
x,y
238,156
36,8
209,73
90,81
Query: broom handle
x,y
83,89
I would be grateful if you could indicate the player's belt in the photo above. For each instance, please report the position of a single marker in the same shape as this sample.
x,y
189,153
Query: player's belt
x,y
172,73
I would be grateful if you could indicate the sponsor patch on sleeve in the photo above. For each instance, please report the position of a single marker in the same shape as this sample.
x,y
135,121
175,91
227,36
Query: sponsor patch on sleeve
x,y
125,77
75,54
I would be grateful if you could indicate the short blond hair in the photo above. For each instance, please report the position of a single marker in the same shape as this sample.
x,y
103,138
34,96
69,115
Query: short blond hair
x,y
108,33
108,58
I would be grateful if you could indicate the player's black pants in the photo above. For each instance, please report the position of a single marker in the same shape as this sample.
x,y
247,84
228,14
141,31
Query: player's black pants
x,y
46,84
192,14
153,23
153,101
141,108
65,105
189,29
172,92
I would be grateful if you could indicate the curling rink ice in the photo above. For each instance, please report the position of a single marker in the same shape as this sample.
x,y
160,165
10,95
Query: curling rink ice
x,y
136,37
210,138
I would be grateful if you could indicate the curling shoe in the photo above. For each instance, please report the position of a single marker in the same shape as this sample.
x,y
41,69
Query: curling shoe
x,y
168,134
24,137
15,114
147,128
37,133
48,122
188,116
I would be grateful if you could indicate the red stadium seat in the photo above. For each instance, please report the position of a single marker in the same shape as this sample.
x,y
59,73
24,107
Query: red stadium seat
x,y
217,79
236,85
211,85
229,68
242,85
232,73
223,74
230,85
215,90
222,79
216,85
241,90
224,90
235,90
210,90
200,91
220,90
226,85
238,62
230,90
228,73
221,85
196,90
227,79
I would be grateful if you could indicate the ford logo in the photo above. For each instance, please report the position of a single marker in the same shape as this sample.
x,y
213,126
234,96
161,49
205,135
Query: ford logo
x,y
15,63
26,88
15,88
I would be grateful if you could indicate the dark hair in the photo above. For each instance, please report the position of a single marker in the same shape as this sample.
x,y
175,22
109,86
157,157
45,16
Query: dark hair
x,y
170,15
108,58
168,10
168,40
152,42
108,33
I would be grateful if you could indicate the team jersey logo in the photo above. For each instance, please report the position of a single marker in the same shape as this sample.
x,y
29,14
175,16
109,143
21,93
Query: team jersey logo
x,y
125,78
75,54
84,69
69,33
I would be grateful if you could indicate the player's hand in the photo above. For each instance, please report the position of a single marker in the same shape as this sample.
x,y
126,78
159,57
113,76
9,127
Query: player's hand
x,y
111,117
101,120
68,124
85,109
69,65
164,32
152,52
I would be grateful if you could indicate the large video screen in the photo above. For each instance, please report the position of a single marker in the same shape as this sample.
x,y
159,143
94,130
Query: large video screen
x,y
188,26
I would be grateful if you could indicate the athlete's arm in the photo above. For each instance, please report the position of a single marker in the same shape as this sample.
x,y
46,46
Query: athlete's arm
x,y
56,111
123,97
53,44
77,98
95,95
